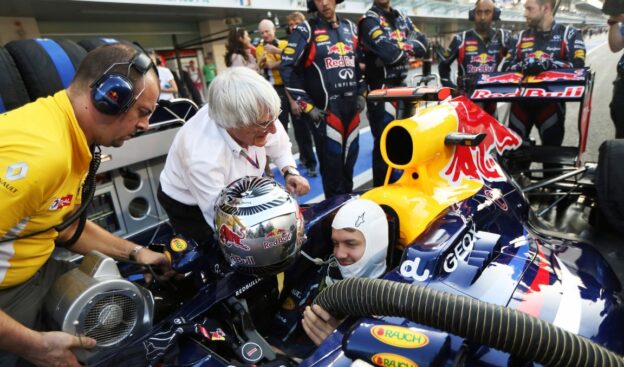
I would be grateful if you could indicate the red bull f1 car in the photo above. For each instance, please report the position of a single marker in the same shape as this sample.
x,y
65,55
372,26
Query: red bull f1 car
x,y
475,277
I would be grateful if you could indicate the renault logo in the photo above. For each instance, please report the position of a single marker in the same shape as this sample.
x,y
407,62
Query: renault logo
x,y
16,171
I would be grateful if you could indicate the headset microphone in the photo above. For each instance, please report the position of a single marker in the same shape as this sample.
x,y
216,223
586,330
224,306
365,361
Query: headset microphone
x,y
113,93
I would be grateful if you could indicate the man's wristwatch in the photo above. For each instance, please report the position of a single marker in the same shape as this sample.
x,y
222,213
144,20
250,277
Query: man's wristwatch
x,y
135,251
290,171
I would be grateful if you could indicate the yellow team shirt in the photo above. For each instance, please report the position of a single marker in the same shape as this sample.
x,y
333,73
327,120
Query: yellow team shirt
x,y
44,158
274,75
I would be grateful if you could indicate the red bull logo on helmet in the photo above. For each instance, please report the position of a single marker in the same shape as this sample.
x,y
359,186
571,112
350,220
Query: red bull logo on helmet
x,y
230,238
247,260
477,162
276,237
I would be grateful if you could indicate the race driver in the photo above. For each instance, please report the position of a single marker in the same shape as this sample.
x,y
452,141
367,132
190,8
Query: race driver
x,y
545,45
319,69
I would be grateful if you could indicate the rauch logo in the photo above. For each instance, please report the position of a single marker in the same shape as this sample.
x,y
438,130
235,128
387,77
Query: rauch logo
x,y
392,360
398,336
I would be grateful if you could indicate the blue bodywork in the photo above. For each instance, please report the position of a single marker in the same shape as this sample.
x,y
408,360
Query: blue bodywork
x,y
481,248
489,247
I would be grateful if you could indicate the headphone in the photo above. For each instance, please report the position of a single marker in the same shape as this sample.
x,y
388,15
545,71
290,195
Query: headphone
x,y
113,93
495,16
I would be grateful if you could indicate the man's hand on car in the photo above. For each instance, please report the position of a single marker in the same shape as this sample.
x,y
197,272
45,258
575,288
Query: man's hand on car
x,y
318,323
55,349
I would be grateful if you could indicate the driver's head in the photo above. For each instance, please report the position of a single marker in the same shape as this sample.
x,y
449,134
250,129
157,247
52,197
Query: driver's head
x,y
484,14
360,238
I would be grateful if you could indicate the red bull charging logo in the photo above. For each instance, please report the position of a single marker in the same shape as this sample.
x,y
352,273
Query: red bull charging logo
x,y
345,56
500,78
477,162
481,63
340,49
231,238
558,75
483,58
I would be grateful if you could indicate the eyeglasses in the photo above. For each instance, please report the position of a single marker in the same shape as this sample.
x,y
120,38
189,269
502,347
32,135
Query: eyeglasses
x,y
265,125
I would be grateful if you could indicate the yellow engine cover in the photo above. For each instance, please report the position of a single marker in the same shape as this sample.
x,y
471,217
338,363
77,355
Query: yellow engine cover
x,y
422,193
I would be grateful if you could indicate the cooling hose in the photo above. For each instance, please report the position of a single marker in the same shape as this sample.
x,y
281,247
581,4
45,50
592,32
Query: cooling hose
x,y
498,327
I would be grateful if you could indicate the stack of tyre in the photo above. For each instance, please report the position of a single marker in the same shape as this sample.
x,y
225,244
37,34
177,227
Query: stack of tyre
x,y
34,68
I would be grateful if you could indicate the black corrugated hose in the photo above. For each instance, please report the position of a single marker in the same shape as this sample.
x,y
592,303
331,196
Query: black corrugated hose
x,y
505,329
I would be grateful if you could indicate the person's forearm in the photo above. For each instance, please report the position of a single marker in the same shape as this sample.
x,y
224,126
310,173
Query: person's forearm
x,y
97,238
15,337
616,41
172,89
290,98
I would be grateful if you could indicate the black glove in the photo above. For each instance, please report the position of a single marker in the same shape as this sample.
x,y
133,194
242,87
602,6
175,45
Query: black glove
x,y
448,83
440,52
535,66
317,115
515,67
360,103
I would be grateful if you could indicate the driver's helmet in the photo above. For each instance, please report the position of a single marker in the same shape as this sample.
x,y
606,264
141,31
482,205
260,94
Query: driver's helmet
x,y
259,226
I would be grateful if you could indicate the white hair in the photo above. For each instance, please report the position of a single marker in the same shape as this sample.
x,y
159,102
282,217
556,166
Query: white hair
x,y
239,97
266,22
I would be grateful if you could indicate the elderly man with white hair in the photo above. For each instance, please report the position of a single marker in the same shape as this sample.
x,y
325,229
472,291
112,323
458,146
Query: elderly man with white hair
x,y
229,138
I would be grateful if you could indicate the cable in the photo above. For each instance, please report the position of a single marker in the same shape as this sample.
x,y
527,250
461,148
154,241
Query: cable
x,y
316,260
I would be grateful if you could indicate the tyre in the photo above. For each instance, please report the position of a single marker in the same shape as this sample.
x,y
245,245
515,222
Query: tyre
x,y
609,183
46,65
13,94
92,43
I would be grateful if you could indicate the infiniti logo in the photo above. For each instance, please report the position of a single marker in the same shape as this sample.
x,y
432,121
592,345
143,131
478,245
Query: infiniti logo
x,y
346,73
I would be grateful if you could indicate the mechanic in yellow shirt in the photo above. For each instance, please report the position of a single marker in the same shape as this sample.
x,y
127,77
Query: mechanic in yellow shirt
x,y
44,159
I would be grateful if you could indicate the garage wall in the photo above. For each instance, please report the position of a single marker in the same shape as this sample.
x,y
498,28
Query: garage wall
x,y
148,34
15,28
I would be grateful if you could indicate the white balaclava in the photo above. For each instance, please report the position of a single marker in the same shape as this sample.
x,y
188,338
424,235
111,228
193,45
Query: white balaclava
x,y
367,217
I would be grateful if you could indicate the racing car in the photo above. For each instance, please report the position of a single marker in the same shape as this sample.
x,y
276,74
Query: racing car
x,y
475,277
